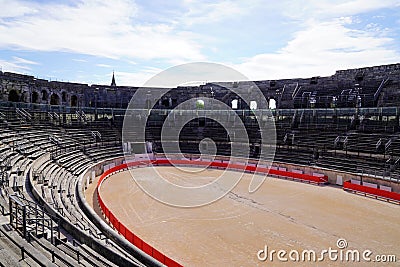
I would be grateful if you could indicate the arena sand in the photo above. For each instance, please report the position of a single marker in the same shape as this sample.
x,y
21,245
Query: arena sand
x,y
281,214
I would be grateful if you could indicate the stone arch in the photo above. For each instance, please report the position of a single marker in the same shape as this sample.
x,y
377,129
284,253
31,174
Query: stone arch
x,y
74,101
199,104
54,99
234,103
35,97
272,103
13,96
253,105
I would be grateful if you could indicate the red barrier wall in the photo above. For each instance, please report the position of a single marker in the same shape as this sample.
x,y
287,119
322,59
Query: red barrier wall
x,y
139,243
121,229
372,191
285,174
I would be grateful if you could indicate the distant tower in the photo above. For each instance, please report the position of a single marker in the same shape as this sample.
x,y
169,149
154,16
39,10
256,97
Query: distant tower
x,y
113,80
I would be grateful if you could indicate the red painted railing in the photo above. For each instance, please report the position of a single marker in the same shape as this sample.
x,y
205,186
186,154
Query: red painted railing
x,y
371,191
138,242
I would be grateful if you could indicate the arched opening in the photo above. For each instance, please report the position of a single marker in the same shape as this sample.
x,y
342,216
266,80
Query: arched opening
x,y
200,104
45,95
54,99
359,102
272,103
74,101
164,102
234,103
64,97
35,97
13,96
253,105
334,102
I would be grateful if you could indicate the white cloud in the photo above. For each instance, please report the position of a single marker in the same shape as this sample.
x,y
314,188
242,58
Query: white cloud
x,y
18,60
327,41
345,8
172,33
103,65
79,60
17,64
327,9
10,9
12,67
321,49
211,12
93,27
132,62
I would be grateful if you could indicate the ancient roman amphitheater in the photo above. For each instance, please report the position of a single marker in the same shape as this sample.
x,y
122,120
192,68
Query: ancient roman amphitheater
x,y
79,188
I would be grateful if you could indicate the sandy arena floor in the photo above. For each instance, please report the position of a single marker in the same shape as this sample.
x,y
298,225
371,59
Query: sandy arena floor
x,y
282,214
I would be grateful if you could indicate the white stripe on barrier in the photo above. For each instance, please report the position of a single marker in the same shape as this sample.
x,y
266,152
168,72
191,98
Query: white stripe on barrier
x,y
297,171
372,185
385,188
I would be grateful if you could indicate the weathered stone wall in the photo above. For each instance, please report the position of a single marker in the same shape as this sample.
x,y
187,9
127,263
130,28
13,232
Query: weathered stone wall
x,y
287,93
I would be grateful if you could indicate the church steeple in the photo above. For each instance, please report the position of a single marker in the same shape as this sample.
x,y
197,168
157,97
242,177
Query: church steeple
x,y
113,80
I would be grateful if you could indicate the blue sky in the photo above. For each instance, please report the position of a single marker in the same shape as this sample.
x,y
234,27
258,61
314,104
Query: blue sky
x,y
84,41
